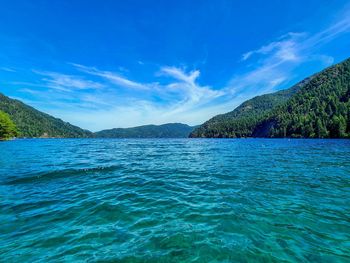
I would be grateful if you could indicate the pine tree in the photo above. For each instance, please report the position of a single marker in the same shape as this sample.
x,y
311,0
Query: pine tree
x,y
7,127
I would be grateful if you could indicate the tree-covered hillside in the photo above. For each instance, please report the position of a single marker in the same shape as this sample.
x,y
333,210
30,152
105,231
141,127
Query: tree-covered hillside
x,y
321,109
33,123
317,107
169,130
242,121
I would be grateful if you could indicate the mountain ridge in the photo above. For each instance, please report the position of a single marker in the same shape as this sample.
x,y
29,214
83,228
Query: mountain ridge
x,y
31,122
267,118
251,111
167,130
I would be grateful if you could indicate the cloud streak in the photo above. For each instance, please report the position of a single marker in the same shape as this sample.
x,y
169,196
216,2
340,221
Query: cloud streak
x,y
284,49
64,82
112,77
275,62
193,92
7,69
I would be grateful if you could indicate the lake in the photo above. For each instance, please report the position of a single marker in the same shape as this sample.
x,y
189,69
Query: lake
x,y
175,200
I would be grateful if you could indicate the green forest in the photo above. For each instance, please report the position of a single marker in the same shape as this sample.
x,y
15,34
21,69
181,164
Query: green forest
x,y
317,107
168,130
320,110
8,129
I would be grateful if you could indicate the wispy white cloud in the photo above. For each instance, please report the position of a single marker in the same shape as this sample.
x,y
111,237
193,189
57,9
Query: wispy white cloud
x,y
7,69
285,48
112,77
180,99
274,63
179,74
139,112
30,91
186,83
64,82
342,25
28,84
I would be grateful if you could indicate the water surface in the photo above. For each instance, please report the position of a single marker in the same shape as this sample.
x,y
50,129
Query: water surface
x,y
175,200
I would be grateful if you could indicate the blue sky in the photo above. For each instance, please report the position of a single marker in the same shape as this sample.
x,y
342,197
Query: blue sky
x,y
105,64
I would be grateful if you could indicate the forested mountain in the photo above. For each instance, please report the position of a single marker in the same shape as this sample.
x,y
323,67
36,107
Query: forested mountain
x,y
241,121
33,123
317,107
169,130
321,109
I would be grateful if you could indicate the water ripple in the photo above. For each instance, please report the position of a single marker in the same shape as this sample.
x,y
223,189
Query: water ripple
x,y
254,200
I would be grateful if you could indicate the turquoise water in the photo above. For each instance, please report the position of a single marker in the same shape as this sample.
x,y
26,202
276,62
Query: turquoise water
x,y
181,200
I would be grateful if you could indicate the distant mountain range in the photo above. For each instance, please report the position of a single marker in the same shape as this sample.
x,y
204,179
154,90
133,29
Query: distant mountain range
x,y
33,123
169,130
317,107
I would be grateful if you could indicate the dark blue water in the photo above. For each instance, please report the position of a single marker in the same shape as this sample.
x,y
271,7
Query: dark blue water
x,y
190,200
